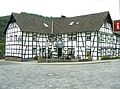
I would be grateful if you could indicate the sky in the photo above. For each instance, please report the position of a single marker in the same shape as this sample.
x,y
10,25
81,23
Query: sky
x,y
56,8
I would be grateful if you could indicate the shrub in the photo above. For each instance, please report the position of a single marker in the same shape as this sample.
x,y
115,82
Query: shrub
x,y
89,58
2,57
84,60
117,57
106,57
40,59
53,60
35,58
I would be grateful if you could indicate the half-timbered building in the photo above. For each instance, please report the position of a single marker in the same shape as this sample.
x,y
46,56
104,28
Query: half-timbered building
x,y
28,36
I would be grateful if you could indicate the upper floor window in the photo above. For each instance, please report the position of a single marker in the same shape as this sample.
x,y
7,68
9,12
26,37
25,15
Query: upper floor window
x,y
20,38
69,37
72,37
88,36
15,38
11,38
34,36
50,38
59,37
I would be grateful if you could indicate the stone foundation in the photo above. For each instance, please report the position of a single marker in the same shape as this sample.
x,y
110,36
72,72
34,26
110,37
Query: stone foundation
x,y
19,59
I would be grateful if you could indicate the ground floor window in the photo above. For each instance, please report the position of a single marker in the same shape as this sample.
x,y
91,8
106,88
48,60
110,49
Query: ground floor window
x,y
71,51
88,52
119,52
34,51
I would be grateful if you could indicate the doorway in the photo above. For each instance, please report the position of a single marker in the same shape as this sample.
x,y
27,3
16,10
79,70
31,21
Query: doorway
x,y
59,52
49,53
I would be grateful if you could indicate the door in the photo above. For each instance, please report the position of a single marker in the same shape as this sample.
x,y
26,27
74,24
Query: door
x,y
59,52
49,53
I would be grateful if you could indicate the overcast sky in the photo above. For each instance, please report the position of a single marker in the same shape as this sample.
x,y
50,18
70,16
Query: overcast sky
x,y
56,8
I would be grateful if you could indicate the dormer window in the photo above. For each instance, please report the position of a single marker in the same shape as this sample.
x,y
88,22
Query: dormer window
x,y
71,23
46,25
77,22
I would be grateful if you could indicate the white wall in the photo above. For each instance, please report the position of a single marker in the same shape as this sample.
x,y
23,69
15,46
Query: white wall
x,y
107,40
13,45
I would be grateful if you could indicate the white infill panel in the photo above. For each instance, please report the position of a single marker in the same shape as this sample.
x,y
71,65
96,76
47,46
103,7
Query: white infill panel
x,y
13,40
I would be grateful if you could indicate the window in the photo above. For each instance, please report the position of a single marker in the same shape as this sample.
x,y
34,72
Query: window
x,y
34,34
34,38
88,52
20,38
71,23
59,38
55,38
77,22
69,38
119,52
102,38
50,38
45,25
72,37
55,49
71,51
88,36
15,38
34,51
11,37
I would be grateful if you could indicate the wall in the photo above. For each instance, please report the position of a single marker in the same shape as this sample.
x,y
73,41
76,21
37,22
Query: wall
x,y
13,45
107,41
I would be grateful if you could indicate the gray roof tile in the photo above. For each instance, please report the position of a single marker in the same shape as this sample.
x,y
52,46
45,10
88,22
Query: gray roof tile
x,y
91,22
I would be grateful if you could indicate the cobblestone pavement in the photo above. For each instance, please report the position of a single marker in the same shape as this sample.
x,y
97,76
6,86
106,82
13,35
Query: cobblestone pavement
x,y
35,76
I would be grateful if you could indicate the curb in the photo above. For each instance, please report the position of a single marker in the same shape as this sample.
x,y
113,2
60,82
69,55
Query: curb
x,y
78,63
66,63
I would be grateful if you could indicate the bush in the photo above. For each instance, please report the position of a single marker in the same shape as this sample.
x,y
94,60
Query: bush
x,y
53,60
89,58
40,59
106,57
35,58
117,57
84,60
2,57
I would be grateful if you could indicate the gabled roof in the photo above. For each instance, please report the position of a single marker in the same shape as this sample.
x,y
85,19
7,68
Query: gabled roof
x,y
31,23
91,22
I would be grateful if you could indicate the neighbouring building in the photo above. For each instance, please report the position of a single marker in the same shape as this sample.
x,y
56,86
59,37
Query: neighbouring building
x,y
28,36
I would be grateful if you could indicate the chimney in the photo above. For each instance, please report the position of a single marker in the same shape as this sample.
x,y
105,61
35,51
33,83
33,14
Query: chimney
x,y
62,16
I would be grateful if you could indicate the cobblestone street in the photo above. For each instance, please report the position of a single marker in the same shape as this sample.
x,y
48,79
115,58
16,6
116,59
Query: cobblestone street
x,y
35,76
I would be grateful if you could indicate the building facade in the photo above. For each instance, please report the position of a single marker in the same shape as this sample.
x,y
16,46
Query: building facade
x,y
92,35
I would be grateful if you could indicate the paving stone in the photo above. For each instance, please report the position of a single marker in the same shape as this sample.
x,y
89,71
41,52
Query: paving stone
x,y
87,76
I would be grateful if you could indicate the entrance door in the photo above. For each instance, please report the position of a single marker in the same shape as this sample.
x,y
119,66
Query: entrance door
x,y
49,52
59,52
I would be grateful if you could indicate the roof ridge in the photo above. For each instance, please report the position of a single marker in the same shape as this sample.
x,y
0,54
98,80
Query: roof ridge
x,y
90,22
45,17
90,14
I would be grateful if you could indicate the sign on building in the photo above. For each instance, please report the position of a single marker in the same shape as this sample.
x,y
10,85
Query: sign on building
x,y
117,26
